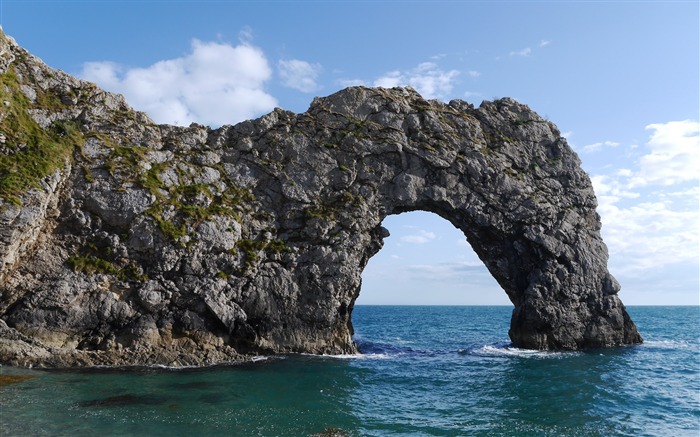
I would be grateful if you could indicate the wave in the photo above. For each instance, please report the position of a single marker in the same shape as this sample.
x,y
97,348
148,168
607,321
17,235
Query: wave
x,y
379,350
669,344
257,358
505,349
359,356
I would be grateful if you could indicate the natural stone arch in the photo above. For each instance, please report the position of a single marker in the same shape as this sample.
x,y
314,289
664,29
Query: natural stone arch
x,y
499,173
167,245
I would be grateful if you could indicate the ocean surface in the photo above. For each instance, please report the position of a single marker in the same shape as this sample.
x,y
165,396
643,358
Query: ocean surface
x,y
424,371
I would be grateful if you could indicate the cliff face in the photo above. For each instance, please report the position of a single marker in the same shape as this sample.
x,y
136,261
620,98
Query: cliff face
x,y
126,242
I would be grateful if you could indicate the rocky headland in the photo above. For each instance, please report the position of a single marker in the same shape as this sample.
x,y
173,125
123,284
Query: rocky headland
x,y
124,242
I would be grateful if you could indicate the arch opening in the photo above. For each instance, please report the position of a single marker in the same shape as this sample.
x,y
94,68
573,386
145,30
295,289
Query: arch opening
x,y
427,261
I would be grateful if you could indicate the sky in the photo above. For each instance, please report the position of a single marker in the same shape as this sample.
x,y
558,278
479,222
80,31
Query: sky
x,y
619,78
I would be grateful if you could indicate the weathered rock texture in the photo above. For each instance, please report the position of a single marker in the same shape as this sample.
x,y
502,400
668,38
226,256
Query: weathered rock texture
x,y
156,244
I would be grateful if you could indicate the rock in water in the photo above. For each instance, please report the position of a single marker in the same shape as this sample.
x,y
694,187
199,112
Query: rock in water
x,y
125,242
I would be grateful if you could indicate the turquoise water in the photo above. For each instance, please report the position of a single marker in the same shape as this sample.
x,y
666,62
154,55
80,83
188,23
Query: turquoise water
x,y
425,371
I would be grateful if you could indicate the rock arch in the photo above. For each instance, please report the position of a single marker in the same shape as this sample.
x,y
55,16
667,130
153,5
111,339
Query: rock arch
x,y
168,245
499,173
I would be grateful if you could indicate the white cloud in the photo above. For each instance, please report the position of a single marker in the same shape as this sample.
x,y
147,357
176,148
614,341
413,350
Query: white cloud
x,y
675,154
609,187
473,74
545,43
595,147
214,84
427,78
106,74
390,80
650,212
524,52
300,75
649,234
421,237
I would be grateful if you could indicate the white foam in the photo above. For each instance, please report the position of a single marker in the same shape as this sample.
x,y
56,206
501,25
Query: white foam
x,y
508,351
353,356
252,359
668,344
257,358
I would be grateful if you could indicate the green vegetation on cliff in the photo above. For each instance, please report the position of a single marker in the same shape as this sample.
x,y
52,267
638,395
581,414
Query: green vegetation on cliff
x,y
30,152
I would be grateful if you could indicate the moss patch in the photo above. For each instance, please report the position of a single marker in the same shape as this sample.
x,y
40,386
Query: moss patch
x,y
252,248
32,153
91,264
192,204
94,260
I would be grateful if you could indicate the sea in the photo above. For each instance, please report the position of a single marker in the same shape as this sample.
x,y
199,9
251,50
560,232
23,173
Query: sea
x,y
423,371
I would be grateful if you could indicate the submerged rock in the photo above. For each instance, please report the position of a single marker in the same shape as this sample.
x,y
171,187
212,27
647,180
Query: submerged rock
x,y
14,379
152,244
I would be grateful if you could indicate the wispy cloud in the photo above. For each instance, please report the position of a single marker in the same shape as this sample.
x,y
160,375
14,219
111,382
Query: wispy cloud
x,y
524,52
350,82
245,36
595,147
299,75
473,74
214,84
451,272
427,78
421,237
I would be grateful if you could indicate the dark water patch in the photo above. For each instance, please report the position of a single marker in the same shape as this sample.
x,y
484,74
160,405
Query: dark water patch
x,y
213,398
194,385
123,401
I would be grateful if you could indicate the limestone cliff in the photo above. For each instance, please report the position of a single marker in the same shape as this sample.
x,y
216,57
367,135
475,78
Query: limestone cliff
x,y
127,242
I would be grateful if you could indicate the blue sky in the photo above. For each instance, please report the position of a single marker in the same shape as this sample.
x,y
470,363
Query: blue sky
x,y
619,78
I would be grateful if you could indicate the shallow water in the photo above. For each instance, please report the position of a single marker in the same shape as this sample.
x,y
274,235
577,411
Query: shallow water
x,y
425,371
